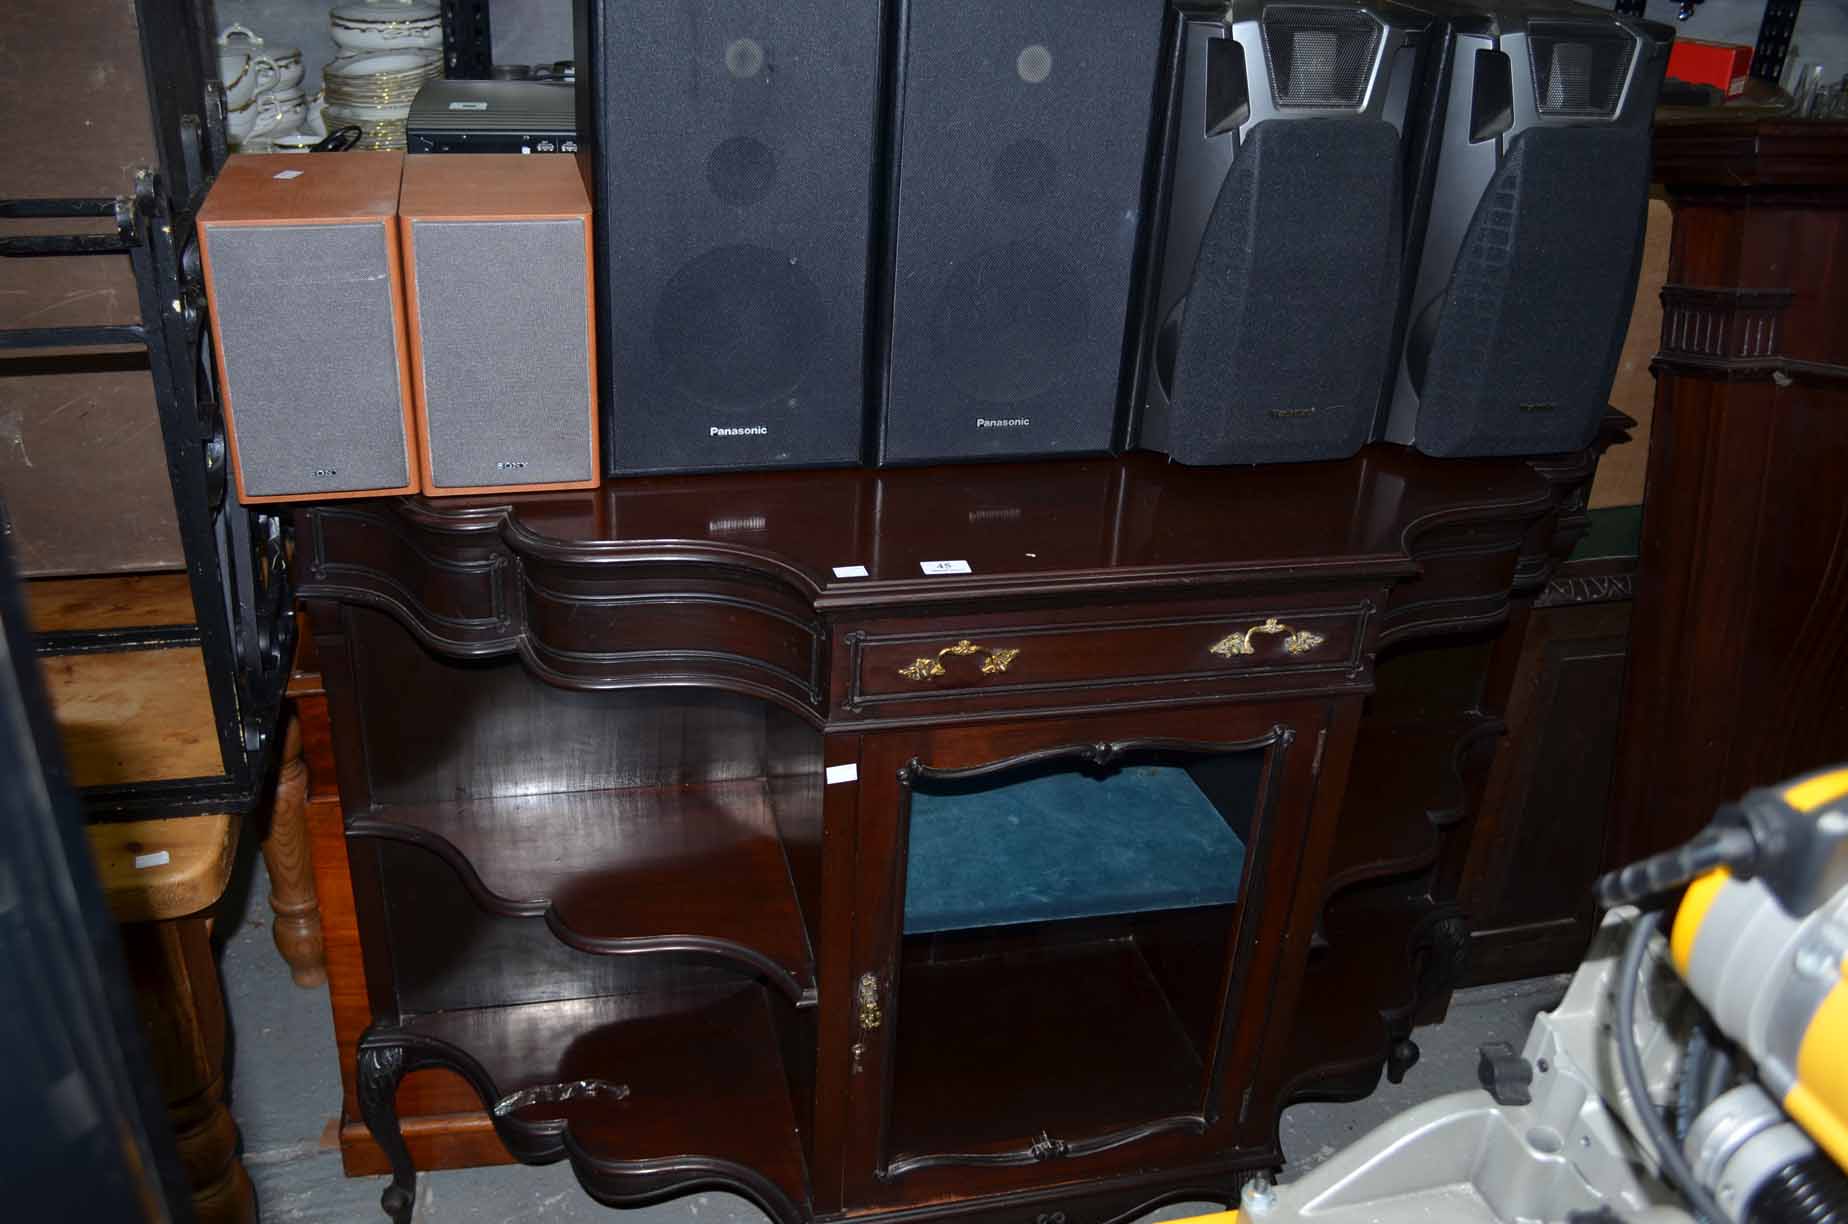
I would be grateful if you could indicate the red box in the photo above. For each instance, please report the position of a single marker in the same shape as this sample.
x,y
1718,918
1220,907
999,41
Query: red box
x,y
1721,65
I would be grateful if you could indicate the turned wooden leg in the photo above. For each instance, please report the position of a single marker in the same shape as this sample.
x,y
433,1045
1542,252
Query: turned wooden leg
x,y
285,852
380,1069
183,1015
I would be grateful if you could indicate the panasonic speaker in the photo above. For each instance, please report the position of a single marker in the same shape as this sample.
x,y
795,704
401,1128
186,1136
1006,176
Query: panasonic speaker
x,y
1528,269
497,264
732,152
302,273
1275,265
1017,168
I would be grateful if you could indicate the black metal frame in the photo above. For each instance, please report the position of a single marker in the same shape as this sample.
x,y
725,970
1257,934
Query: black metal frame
x,y
468,41
236,558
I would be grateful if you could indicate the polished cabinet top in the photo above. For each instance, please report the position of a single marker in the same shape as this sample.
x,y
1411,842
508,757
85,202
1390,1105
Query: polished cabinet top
x,y
848,534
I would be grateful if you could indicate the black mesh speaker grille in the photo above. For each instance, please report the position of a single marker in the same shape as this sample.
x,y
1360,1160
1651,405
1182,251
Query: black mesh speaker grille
x,y
302,306
1579,68
502,322
1284,345
1521,356
1022,132
733,159
1319,57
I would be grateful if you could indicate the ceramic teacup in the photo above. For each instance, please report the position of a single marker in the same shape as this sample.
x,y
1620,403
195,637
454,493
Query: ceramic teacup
x,y
245,75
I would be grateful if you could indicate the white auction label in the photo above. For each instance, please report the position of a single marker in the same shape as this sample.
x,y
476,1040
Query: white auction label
x,y
850,571
944,567
286,175
160,858
843,773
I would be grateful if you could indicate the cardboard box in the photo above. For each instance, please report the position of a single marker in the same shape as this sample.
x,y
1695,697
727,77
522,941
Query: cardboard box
x,y
1721,65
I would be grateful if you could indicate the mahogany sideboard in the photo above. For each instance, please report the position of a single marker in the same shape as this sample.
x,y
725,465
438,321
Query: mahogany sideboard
x,y
1002,842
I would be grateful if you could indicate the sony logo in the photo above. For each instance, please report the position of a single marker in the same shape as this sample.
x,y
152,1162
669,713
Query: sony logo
x,y
1539,407
738,431
510,465
1004,423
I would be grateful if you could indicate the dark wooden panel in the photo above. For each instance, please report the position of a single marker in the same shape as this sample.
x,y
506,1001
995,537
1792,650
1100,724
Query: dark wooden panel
x,y
1740,652
1539,841
1077,1042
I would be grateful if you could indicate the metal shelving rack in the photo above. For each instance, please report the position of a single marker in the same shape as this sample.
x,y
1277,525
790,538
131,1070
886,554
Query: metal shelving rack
x,y
236,558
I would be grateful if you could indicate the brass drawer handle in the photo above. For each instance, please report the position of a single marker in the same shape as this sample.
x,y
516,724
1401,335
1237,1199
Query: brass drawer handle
x,y
930,669
1299,641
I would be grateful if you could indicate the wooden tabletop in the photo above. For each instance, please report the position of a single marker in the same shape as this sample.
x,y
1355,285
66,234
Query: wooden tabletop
x,y
138,716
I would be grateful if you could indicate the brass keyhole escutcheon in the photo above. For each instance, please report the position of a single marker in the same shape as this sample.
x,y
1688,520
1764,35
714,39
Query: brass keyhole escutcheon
x,y
870,1015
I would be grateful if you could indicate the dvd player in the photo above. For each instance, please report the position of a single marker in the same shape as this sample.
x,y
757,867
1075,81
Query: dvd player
x,y
493,117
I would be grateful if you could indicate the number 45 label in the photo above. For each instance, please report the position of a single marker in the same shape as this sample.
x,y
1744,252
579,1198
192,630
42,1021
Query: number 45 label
x,y
944,567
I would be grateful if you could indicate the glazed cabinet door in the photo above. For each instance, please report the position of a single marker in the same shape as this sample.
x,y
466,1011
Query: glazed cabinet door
x,y
1074,942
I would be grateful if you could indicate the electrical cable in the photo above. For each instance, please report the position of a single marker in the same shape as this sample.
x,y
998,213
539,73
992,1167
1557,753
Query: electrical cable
x,y
1669,1159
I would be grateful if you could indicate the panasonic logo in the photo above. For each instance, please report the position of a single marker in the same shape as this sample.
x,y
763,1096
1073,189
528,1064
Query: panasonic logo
x,y
1539,407
738,431
1004,423
1294,412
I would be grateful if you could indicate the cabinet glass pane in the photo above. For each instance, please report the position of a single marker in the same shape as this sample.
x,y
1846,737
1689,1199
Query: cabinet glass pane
x,y
1068,935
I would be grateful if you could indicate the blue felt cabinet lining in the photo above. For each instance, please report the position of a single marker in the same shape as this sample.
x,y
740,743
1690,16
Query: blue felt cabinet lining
x,y
1067,844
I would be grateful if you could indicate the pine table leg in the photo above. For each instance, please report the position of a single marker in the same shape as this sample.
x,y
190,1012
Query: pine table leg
x,y
285,852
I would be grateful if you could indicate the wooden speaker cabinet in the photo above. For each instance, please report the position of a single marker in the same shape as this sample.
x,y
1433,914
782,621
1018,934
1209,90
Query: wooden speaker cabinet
x,y
497,267
303,273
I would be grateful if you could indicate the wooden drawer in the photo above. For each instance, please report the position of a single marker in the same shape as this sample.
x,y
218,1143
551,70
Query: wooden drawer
x,y
1010,662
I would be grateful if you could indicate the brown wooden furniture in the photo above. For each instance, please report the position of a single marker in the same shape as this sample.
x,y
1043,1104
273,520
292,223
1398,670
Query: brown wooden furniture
x,y
146,715
618,800
140,715
1739,642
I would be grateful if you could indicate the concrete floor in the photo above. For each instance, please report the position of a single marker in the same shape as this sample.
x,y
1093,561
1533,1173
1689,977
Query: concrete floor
x,y
285,1092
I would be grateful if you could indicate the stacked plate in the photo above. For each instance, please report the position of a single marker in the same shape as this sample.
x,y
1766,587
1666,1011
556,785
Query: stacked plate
x,y
374,91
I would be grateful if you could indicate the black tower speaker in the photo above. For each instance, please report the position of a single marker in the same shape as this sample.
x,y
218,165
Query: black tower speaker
x,y
1538,195
1275,264
1020,139
731,145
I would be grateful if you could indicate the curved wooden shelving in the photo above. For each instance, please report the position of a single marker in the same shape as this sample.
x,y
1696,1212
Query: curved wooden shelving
x,y
693,869
646,1095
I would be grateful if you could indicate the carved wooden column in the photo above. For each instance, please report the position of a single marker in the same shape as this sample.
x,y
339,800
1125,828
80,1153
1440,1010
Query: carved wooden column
x,y
291,872
1740,635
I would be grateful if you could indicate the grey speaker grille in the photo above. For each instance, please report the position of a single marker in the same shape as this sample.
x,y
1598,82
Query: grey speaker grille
x,y
1319,57
309,334
1579,68
1020,154
502,316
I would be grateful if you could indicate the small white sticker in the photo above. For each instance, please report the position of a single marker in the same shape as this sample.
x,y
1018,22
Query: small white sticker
x,y
944,567
850,571
468,106
160,858
286,175
843,773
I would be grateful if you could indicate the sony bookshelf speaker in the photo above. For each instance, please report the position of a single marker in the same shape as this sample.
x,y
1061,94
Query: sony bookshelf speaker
x,y
497,269
1537,200
1274,264
1020,138
732,149
307,303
